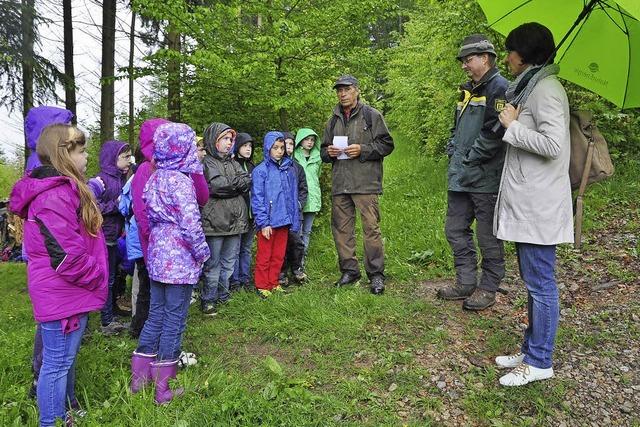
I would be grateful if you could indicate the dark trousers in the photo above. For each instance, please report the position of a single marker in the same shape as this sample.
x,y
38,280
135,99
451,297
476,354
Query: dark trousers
x,y
343,221
295,253
142,300
463,208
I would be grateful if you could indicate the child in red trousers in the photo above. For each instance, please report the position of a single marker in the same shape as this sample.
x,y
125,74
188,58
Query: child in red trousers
x,y
274,201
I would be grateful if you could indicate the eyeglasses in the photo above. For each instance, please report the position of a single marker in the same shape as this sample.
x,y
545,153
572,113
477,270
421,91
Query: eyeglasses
x,y
468,59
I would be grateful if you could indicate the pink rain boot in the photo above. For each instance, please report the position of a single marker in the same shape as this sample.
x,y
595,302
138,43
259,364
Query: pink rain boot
x,y
162,372
140,370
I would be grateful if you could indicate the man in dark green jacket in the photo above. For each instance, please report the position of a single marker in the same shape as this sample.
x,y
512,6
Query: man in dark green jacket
x,y
476,154
356,180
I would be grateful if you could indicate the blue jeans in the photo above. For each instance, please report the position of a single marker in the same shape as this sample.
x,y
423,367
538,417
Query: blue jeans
x,y
305,230
242,266
106,314
162,332
56,382
537,269
219,267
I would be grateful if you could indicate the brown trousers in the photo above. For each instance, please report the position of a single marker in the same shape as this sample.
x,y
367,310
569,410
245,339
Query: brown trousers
x,y
343,221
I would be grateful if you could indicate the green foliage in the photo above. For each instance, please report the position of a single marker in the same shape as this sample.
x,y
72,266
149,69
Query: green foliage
x,y
424,74
264,65
9,174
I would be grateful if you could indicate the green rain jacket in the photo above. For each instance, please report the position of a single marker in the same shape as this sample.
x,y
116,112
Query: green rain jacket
x,y
312,168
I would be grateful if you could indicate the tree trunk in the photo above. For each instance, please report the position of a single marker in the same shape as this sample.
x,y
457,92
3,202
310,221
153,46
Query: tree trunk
x,y
27,63
132,45
107,95
173,72
69,74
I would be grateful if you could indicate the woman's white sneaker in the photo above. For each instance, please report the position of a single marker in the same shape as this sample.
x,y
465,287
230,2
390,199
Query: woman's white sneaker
x,y
511,361
524,374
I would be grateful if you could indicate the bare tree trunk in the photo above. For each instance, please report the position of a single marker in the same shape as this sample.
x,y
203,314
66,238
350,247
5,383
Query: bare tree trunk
x,y
132,45
27,63
69,73
173,71
107,95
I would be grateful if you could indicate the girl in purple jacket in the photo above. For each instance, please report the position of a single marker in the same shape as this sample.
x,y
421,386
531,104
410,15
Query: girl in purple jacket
x,y
114,160
67,270
177,250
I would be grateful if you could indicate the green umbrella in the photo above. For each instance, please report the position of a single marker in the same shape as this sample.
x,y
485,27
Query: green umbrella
x,y
599,46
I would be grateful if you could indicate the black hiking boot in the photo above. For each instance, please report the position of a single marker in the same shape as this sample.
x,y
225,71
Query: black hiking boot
x,y
348,278
480,300
377,285
455,292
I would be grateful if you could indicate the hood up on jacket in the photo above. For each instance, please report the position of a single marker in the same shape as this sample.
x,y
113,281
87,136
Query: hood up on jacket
x,y
41,179
147,130
213,133
175,148
269,140
305,132
37,119
108,157
241,139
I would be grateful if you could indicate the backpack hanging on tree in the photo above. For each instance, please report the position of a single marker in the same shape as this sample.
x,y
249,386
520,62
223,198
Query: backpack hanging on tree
x,y
590,161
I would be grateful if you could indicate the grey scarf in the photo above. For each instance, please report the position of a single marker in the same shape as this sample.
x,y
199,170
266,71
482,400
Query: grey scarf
x,y
520,89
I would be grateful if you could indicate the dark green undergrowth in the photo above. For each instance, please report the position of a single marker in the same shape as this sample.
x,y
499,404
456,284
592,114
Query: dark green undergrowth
x,y
317,355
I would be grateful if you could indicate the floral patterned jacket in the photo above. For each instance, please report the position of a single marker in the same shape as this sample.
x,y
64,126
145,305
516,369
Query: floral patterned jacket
x,y
177,246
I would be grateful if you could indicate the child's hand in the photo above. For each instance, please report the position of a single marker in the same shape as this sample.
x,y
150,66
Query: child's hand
x,y
266,232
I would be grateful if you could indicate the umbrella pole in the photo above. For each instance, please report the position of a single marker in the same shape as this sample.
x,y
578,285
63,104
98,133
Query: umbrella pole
x,y
585,12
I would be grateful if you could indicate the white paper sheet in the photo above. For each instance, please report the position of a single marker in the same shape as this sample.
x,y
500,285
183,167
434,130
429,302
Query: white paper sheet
x,y
341,143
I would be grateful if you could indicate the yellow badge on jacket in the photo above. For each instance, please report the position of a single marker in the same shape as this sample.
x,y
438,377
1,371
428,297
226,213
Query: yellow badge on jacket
x,y
499,105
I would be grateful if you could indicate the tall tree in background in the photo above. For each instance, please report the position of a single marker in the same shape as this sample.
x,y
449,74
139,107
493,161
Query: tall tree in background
x,y
28,10
69,73
132,45
173,74
107,93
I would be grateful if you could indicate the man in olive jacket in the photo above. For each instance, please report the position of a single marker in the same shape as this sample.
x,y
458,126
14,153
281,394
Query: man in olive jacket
x,y
476,155
356,181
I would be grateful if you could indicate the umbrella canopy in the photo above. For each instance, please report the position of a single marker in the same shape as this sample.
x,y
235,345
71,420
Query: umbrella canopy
x,y
601,47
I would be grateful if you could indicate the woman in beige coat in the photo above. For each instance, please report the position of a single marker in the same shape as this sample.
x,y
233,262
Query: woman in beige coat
x,y
534,201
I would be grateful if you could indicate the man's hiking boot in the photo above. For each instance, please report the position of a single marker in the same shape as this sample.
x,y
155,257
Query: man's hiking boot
x,y
348,278
480,300
456,291
377,285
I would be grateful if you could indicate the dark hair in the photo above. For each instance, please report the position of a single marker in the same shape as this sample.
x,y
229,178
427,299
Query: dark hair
x,y
533,42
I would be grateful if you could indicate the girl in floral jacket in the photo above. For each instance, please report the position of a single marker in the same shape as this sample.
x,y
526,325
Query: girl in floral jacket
x,y
177,250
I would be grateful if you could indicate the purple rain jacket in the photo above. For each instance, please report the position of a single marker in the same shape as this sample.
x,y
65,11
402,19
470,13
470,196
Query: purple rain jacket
x,y
177,246
107,195
142,175
37,119
67,270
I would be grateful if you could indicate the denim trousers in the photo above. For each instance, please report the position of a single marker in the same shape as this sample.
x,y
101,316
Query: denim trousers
x,y
462,209
537,269
162,332
305,230
219,268
106,314
56,382
242,266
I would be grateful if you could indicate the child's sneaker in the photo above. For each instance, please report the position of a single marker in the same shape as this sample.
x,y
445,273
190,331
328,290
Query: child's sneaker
x,y
278,289
511,361
113,328
187,359
524,374
300,275
283,280
263,293
209,309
